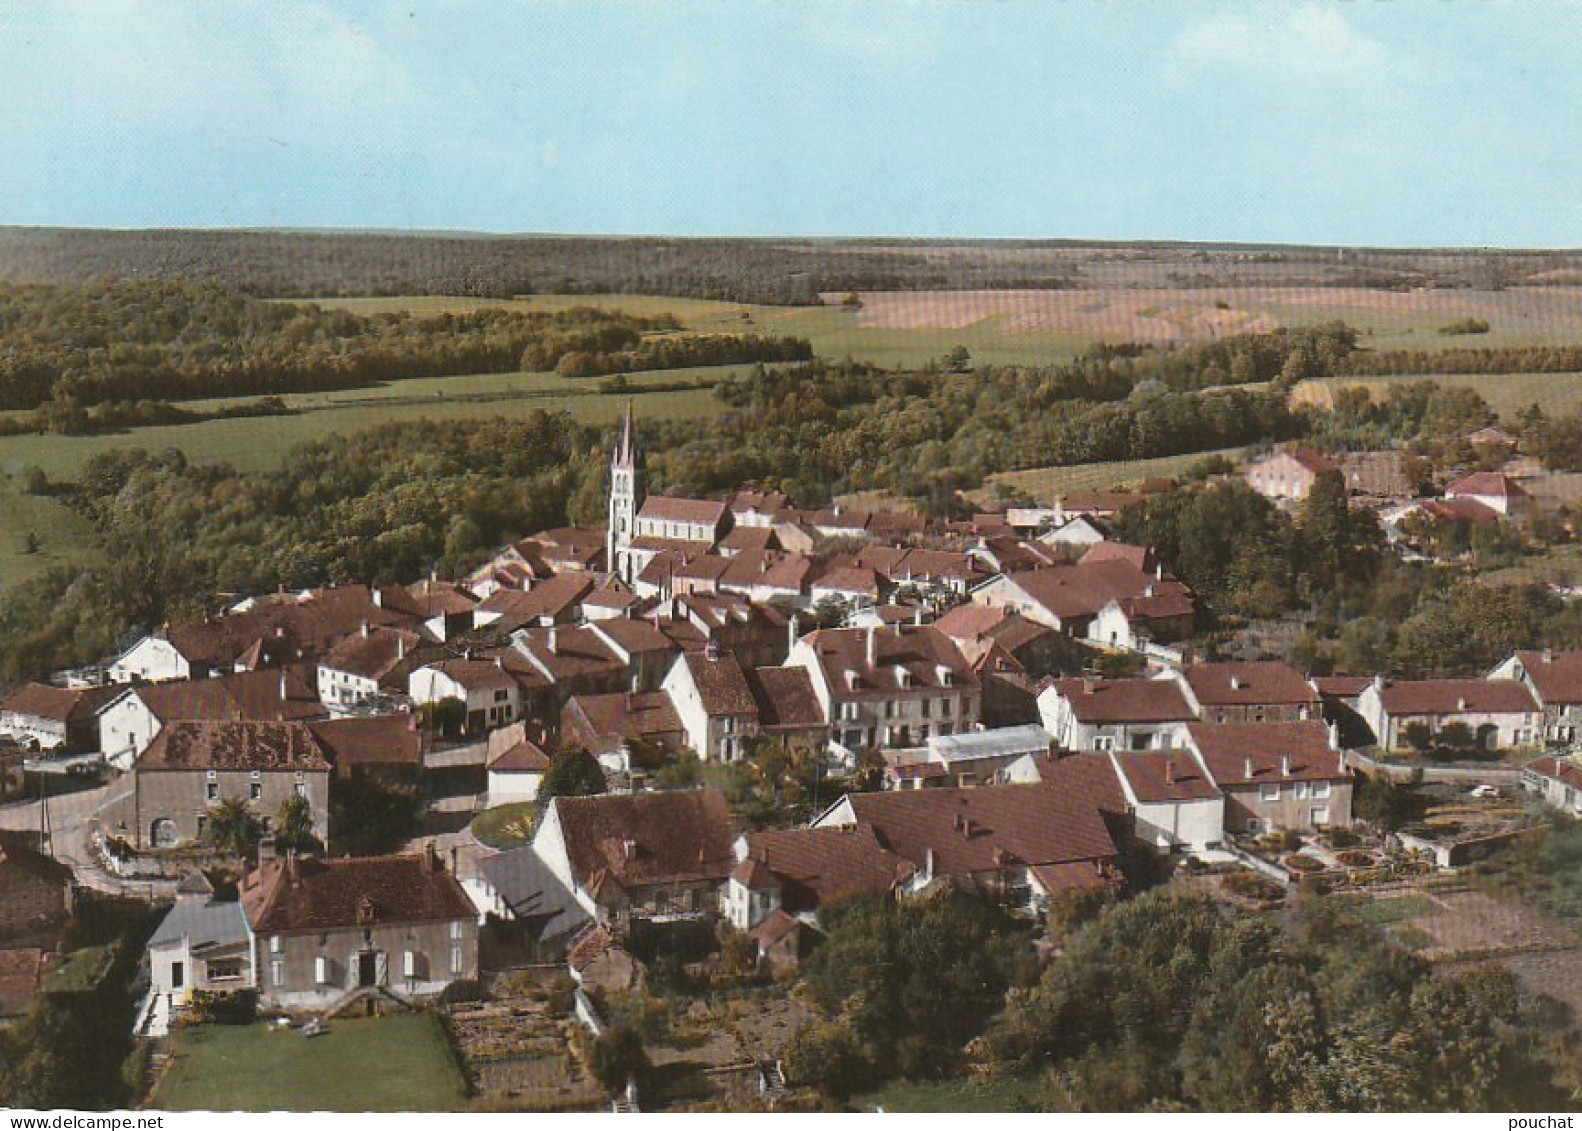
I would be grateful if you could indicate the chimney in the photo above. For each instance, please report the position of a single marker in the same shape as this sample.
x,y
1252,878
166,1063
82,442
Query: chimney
x,y
1170,771
1549,655
293,869
1246,769
1235,683
1285,765
629,848
1148,591
917,616
1090,684
1334,736
711,650
928,863
554,640
499,662
873,647
365,630
400,647
378,598
791,632
1159,572
283,695
1461,703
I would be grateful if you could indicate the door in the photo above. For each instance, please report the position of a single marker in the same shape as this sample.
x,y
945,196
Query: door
x,y
178,975
367,969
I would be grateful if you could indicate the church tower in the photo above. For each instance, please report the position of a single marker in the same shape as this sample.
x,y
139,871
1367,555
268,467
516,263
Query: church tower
x,y
625,498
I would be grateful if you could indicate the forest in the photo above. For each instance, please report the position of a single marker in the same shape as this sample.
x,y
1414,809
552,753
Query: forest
x,y
65,348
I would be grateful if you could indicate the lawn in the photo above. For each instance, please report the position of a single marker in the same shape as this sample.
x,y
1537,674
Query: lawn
x,y
1046,483
506,826
1383,912
400,1063
1506,393
996,1093
62,535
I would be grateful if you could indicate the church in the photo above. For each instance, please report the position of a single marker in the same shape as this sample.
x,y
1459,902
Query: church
x,y
640,527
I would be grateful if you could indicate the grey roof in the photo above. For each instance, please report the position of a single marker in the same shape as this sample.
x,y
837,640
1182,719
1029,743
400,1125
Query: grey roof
x,y
1000,742
533,893
203,924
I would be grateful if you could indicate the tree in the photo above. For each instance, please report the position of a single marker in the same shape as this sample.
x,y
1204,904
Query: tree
x,y
957,360
572,773
294,823
232,827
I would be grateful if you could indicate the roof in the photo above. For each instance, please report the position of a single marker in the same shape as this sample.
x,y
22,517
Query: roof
x,y
665,508
373,653
922,652
1313,461
1082,590
63,704
1488,484
477,675
1556,675
1563,770
256,745
721,684
785,698
748,538
775,927
968,831
1160,778
851,579
1462,509
1248,683
1098,502
511,751
1098,701
1454,696
628,714
577,652
1139,556
643,839
1075,876
1229,749
371,740
756,569
1342,686
532,892
287,693
308,893
816,866
997,742
551,597
206,923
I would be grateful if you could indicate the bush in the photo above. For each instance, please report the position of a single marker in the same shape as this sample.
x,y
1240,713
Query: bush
x,y
1465,326
1304,864
238,1007
1250,885
462,990
616,1056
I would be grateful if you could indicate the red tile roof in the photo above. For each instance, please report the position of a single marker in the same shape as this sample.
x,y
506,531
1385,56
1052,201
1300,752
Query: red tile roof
x,y
851,579
1100,701
626,715
1082,590
1157,778
375,654
1454,696
287,693
211,744
307,893
667,509
1489,484
647,839
1556,675
921,651
554,597
785,699
721,685
1139,556
374,740
61,704
1560,769
1229,748
1249,683
1076,876
822,865
1342,686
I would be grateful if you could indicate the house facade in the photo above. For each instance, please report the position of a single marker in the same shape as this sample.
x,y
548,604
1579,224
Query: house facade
x,y
1274,775
1499,714
1555,679
1114,714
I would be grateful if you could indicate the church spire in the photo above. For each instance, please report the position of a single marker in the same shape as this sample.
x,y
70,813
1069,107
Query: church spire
x,y
626,451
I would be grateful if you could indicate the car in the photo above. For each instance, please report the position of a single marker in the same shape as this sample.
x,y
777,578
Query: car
x,y
1484,791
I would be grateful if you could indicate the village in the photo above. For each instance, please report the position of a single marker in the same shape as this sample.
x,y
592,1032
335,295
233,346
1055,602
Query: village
x,y
678,740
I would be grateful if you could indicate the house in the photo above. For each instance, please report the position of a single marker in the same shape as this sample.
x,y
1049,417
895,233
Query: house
x,y
384,748
755,634
1140,557
1164,613
1492,439
1096,504
1288,475
443,610
490,689
517,887
789,712
58,719
1026,641
516,765
361,669
715,704
555,600
756,509
1274,775
627,857
849,585
609,726
1557,780
1175,804
1076,534
1020,844
1499,714
1493,489
1258,691
1555,679
1114,714
572,661
645,651
797,871
326,929
202,944
193,764
882,687
765,575
36,894
975,757
129,722
1068,598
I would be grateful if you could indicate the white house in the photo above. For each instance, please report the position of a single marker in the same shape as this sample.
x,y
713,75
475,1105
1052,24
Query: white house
x,y
1500,714
1114,714
200,944
1174,802
493,696
714,702
516,766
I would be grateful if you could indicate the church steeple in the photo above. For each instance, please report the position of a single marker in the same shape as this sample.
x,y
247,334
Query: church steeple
x,y
625,498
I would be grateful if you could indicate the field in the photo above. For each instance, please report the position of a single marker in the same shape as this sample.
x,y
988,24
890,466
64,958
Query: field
x,y
401,1063
1045,484
63,536
996,1094
1507,393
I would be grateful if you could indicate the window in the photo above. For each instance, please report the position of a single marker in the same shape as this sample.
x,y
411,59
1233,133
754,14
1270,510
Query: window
x,y
501,696
211,791
321,970
302,789
409,964
889,709
1269,793
944,708
1103,742
1320,790
228,970
1301,791
277,970
274,945
455,930
927,707
456,966
255,791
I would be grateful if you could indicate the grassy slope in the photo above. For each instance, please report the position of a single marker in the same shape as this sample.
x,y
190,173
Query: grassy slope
x,y
1045,483
62,534
397,1063
1507,393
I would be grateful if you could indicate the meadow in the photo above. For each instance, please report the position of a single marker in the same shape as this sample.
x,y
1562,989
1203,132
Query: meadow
x,y
1506,393
1045,484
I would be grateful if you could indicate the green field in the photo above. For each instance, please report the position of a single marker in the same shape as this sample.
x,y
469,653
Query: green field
x,y
401,1063
63,535
1045,484
1383,912
996,1094
833,331
1507,393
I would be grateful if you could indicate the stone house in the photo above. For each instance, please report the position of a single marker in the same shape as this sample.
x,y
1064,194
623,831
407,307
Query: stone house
x,y
325,929
1259,691
1288,475
1114,714
36,894
59,719
1274,775
1501,714
1555,679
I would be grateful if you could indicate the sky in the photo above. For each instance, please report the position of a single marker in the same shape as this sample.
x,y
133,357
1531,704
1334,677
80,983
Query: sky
x,y
1359,122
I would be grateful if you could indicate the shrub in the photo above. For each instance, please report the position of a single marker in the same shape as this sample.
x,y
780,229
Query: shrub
x,y
1304,864
1250,885
462,990
238,1007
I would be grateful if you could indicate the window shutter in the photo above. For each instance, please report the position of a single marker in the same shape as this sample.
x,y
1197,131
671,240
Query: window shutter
x,y
379,968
